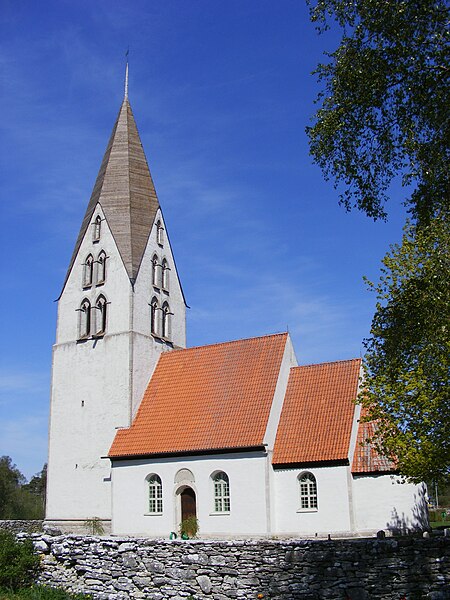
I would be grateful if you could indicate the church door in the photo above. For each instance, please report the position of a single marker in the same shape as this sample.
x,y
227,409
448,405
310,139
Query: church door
x,y
188,503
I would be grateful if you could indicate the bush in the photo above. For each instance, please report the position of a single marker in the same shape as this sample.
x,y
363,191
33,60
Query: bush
x,y
19,564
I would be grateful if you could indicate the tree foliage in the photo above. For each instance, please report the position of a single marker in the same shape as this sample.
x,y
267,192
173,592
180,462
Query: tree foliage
x,y
407,364
19,564
19,499
383,109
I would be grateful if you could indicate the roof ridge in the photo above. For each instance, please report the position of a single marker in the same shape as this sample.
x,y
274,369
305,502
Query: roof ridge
x,y
330,362
256,337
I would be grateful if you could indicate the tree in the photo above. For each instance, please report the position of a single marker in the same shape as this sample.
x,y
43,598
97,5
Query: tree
x,y
407,364
383,110
383,115
19,500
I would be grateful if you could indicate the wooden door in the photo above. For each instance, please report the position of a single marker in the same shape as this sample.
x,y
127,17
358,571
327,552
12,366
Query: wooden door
x,y
188,503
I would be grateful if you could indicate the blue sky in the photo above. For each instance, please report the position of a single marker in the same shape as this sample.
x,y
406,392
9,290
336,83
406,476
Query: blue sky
x,y
222,93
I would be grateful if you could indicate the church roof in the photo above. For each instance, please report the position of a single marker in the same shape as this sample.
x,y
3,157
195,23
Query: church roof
x,y
366,459
207,398
124,188
317,416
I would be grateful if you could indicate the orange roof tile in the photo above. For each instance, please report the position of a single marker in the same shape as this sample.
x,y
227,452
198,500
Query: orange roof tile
x,y
317,416
366,459
206,398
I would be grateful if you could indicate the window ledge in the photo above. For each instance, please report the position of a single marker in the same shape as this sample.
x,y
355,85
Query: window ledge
x,y
100,283
308,510
155,514
156,287
165,290
87,286
220,514
96,241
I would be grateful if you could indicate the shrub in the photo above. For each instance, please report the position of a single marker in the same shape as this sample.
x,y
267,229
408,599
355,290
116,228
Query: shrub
x,y
189,527
41,592
19,564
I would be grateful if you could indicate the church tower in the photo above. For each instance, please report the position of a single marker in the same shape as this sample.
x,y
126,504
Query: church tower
x,y
121,306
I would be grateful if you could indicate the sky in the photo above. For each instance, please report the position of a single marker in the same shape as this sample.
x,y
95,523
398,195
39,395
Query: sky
x,y
221,93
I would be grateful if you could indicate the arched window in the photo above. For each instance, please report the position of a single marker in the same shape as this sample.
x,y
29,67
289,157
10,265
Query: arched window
x,y
88,269
84,319
308,491
155,503
221,492
166,324
154,310
165,275
155,271
100,315
101,267
159,233
97,229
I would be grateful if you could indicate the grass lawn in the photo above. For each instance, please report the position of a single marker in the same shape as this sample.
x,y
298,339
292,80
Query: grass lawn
x,y
435,524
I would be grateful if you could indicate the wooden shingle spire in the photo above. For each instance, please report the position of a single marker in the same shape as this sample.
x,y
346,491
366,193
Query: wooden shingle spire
x,y
125,190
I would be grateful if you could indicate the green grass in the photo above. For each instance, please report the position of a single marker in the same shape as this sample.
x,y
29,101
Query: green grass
x,y
440,523
41,592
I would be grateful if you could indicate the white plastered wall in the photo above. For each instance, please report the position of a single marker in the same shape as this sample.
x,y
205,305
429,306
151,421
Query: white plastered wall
x,y
384,502
246,473
332,515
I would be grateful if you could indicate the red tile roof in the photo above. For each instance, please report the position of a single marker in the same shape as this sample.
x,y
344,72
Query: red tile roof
x,y
206,398
317,416
366,459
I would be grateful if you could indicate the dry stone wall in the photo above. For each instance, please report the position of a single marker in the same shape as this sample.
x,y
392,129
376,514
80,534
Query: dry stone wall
x,y
359,569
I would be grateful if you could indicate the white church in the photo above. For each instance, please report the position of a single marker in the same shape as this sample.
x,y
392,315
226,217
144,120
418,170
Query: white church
x,y
145,432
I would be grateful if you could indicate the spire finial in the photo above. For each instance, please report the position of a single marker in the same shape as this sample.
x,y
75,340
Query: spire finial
x,y
126,74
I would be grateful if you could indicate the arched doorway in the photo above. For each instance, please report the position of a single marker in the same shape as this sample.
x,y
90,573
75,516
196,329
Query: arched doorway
x,y
188,503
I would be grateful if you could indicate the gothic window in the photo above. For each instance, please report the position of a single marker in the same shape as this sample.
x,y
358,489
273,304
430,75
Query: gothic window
x,y
166,314
155,271
159,233
100,315
101,267
154,311
97,229
221,492
88,269
155,503
84,319
308,491
165,275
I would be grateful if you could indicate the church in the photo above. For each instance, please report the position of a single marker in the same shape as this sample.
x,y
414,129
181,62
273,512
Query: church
x,y
145,433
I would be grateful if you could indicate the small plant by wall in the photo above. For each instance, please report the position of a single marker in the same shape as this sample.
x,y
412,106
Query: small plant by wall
x,y
189,527
94,526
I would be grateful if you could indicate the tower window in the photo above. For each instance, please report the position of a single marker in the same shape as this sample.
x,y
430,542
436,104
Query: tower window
x,y
166,324
221,492
155,271
155,503
100,315
84,319
308,491
159,233
101,268
97,230
88,269
154,308
165,275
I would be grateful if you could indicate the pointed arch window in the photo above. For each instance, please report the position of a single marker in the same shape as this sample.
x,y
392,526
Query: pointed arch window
x,y
155,502
166,321
159,233
97,229
308,491
84,319
155,270
165,275
100,315
154,311
88,271
221,485
101,267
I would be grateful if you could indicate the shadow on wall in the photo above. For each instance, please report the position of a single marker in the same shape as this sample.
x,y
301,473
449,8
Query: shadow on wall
x,y
401,524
